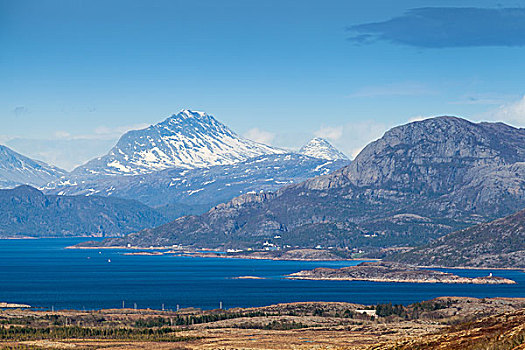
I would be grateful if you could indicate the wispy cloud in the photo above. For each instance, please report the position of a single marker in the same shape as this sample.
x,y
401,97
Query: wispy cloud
x,y
99,133
352,137
417,118
64,153
333,133
68,150
61,135
512,113
104,131
440,27
259,135
5,138
394,89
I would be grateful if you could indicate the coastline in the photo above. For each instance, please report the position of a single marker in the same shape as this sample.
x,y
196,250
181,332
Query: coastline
x,y
521,269
46,237
463,280
393,273
211,253
5,305
169,250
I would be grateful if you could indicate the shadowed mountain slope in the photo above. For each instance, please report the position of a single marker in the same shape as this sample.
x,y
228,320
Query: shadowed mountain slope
x,y
25,211
500,243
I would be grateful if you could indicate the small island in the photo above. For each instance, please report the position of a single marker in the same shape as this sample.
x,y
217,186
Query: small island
x,y
5,305
392,272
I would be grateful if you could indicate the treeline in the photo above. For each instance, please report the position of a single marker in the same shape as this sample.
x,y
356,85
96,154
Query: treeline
x,y
413,311
26,320
279,325
187,320
75,332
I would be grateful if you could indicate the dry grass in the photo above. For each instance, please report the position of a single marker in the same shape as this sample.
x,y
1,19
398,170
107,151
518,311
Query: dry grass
x,y
491,324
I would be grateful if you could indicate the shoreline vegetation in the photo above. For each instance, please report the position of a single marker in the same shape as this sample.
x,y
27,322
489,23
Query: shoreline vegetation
x,y
294,254
372,270
441,323
299,254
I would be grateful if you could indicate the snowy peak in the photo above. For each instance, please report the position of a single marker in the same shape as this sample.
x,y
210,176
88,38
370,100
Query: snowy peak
x,y
16,169
322,149
191,123
188,139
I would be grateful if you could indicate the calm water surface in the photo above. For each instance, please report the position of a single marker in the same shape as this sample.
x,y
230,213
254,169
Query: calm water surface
x,y
44,274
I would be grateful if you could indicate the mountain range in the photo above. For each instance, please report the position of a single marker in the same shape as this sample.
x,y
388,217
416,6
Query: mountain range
x,y
418,182
190,191
413,186
26,211
16,169
191,162
183,165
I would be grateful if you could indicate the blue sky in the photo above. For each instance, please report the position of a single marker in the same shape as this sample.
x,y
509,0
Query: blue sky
x,y
77,74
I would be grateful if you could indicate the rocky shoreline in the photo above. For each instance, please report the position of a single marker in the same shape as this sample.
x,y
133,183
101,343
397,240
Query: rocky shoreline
x,y
4,305
300,254
290,255
392,272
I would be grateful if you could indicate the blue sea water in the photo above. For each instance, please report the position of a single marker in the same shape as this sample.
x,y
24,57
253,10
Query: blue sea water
x,y
42,273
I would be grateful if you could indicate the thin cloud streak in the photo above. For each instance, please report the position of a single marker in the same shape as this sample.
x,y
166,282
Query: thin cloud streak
x,y
261,136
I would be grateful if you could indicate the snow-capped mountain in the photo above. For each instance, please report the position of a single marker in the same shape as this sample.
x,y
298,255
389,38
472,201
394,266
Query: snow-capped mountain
x,y
202,187
188,140
192,160
322,149
16,169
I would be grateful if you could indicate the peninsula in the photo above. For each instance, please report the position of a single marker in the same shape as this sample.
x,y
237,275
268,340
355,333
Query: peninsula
x,y
392,272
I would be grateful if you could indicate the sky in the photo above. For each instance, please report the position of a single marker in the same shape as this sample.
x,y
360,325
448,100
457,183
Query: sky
x,y
75,75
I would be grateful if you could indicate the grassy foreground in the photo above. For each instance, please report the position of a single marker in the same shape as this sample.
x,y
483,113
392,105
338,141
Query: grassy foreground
x,y
442,323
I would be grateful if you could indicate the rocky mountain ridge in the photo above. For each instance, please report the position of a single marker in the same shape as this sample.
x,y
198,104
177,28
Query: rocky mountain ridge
x,y
418,182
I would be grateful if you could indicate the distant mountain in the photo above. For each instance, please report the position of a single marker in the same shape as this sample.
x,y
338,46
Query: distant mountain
x,y
187,140
418,182
25,211
322,149
16,169
197,190
500,243
171,165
